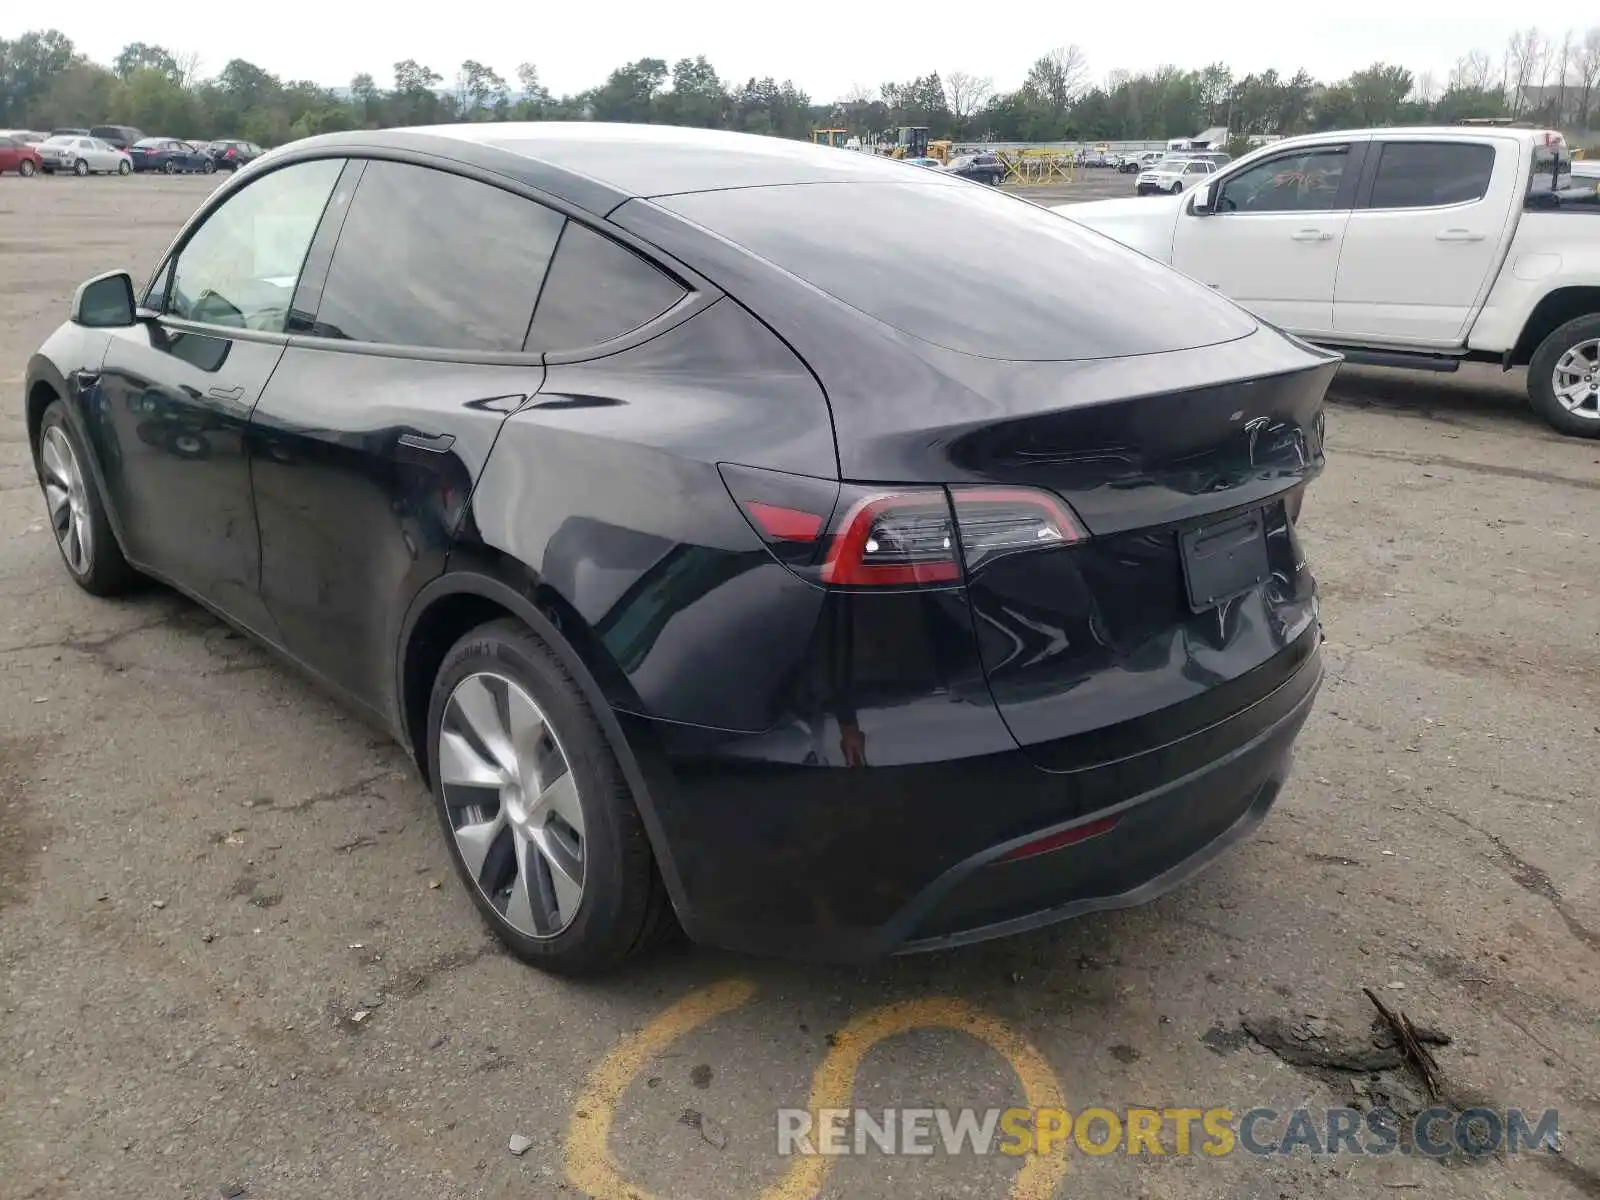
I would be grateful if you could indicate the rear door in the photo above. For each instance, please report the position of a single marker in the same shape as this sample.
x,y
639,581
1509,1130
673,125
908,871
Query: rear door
x,y
1272,237
1423,241
407,356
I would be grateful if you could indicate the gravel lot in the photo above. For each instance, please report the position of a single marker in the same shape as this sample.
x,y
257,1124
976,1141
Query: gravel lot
x,y
207,870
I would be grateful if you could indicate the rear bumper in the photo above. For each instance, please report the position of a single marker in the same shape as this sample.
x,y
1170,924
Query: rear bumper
x,y
819,862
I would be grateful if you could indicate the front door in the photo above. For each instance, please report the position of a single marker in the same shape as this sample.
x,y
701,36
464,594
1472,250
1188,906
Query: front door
x,y
1422,244
179,388
1272,237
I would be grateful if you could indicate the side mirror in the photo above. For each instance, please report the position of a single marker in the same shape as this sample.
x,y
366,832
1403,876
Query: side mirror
x,y
105,302
1200,200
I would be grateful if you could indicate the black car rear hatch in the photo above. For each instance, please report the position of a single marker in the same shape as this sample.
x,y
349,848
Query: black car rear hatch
x,y
1006,348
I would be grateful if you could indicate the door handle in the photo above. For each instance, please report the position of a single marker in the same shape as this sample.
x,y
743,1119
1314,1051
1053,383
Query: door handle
x,y
1312,235
85,379
1458,235
436,442
233,393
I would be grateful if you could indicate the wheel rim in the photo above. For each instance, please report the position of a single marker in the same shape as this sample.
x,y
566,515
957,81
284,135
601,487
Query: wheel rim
x,y
513,804
123,168
1576,380
68,500
26,169
80,167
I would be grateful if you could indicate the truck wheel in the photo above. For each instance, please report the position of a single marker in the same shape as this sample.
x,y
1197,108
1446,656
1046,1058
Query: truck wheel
x,y
1564,378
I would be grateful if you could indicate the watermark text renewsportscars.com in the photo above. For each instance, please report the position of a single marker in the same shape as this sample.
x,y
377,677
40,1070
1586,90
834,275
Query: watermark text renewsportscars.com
x,y
1212,1132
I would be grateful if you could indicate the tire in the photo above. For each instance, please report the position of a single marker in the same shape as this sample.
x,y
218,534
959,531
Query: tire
x,y
100,569
209,168
26,168
170,167
80,167
621,906
124,167
1580,335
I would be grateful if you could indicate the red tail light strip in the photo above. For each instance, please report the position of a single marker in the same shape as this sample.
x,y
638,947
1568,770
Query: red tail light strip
x,y
1057,841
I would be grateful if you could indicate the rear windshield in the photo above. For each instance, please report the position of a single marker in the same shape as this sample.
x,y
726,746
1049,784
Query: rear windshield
x,y
969,269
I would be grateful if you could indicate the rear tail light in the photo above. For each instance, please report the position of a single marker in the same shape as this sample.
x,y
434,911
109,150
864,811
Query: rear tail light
x,y
998,521
855,535
894,539
230,152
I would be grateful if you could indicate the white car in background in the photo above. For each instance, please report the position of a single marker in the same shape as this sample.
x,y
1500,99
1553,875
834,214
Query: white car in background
x,y
1173,175
1417,247
83,156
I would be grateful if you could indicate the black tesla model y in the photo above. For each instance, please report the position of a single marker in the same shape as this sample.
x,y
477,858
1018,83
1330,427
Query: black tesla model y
x,y
837,556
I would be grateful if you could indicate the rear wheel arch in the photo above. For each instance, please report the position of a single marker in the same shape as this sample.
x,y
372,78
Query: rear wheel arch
x,y
1553,311
461,600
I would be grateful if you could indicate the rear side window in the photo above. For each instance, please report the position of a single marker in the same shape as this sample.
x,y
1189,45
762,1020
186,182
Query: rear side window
x,y
597,290
968,268
431,259
1426,174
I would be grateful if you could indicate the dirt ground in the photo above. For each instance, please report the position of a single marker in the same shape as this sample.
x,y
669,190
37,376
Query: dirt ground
x,y
208,871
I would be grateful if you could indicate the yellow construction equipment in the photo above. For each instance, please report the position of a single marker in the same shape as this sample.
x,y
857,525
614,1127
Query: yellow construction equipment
x,y
830,137
940,150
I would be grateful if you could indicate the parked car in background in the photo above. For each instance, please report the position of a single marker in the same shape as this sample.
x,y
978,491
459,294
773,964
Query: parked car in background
x,y
119,136
69,131
230,154
675,605
31,136
984,168
17,155
82,156
1133,163
171,156
1421,248
1173,175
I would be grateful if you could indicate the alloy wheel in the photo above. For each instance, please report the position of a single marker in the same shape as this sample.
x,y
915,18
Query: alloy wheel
x,y
513,804
26,169
1576,380
80,167
67,498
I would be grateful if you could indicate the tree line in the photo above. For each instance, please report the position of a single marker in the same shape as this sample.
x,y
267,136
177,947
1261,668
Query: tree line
x,y
45,82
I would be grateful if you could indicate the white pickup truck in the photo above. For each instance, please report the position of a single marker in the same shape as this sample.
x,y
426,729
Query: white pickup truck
x,y
1402,248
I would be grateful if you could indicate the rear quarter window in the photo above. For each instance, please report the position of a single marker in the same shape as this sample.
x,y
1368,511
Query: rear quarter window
x,y
969,269
597,290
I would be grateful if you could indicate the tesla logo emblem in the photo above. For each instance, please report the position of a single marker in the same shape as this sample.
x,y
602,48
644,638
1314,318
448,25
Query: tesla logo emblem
x,y
1254,428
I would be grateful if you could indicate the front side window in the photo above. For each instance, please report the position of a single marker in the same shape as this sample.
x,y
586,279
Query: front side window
x,y
431,259
597,290
1305,182
240,268
1427,174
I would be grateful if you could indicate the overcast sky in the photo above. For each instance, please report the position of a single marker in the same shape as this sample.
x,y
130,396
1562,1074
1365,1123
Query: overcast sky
x,y
825,46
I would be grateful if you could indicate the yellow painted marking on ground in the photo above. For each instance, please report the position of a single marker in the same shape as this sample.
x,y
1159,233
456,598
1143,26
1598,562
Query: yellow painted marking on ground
x,y
589,1162
835,1081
